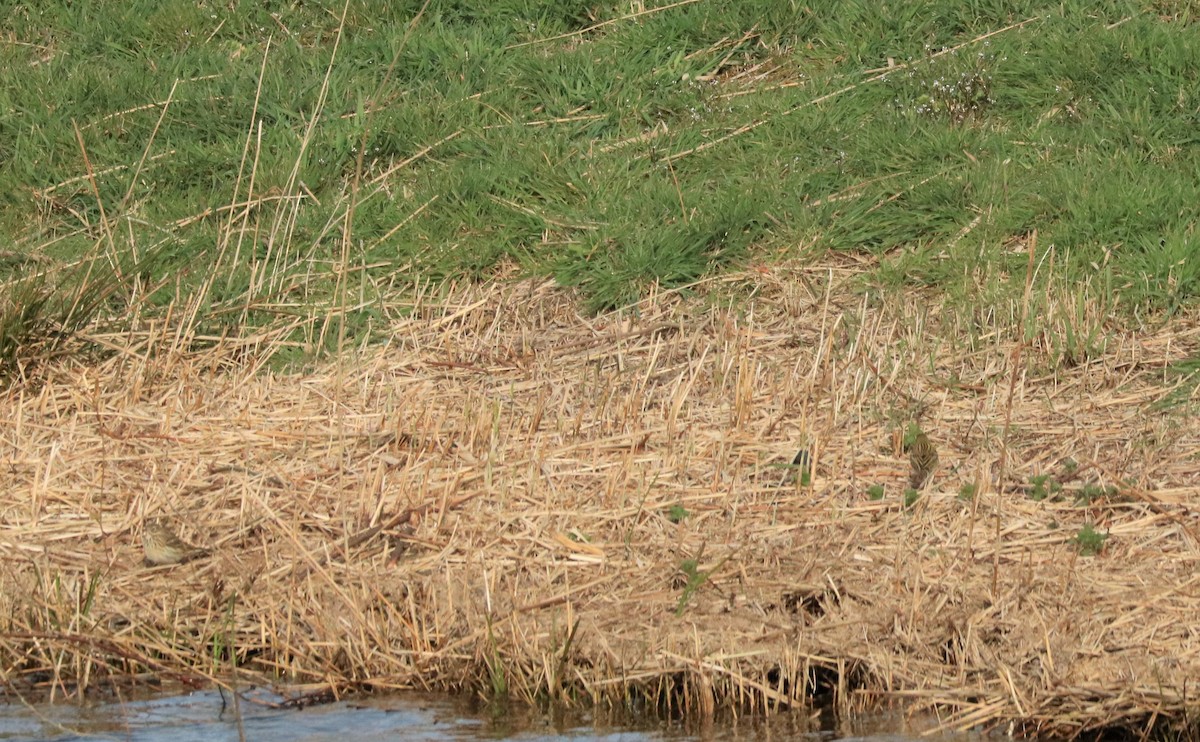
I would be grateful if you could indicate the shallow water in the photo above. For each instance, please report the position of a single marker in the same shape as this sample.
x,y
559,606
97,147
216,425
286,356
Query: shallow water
x,y
205,716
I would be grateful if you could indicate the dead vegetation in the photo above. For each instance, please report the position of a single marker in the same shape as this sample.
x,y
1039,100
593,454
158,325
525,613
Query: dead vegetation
x,y
509,497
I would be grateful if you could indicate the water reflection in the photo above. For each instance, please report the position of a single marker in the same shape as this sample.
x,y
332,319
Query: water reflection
x,y
206,716
203,716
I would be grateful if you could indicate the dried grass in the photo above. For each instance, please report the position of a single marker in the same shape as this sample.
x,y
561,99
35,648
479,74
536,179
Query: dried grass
x,y
482,504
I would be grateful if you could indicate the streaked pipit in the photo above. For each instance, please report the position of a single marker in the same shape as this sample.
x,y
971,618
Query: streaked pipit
x,y
163,546
923,456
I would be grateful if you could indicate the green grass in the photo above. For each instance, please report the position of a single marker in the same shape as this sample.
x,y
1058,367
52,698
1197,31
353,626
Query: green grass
x,y
651,150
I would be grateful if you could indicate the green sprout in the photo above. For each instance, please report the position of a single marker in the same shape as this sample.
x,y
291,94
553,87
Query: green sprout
x,y
1089,541
1092,492
695,578
802,467
1044,486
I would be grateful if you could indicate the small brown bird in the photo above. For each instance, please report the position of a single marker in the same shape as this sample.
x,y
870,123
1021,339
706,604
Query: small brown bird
x,y
924,459
162,546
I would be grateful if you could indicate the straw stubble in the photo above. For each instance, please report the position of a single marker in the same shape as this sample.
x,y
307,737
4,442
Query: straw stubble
x,y
527,486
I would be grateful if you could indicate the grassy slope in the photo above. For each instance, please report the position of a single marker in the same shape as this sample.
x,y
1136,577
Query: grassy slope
x,y
597,158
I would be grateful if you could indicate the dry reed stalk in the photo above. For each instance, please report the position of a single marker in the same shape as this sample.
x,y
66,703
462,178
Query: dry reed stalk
x,y
485,502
